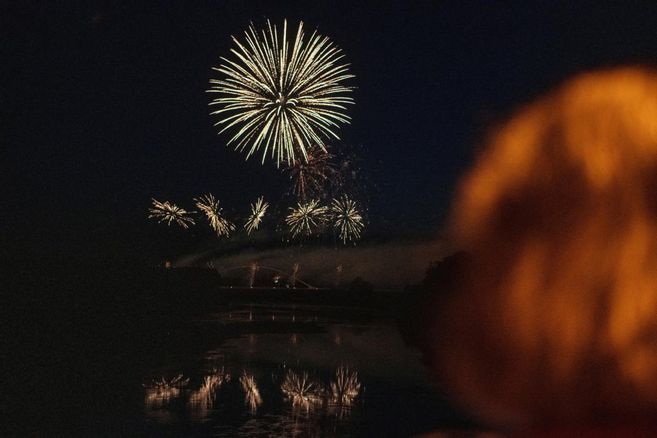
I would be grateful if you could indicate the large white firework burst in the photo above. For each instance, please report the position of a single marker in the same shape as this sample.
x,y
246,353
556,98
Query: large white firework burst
x,y
280,100
346,218
307,218
258,210
169,212
209,205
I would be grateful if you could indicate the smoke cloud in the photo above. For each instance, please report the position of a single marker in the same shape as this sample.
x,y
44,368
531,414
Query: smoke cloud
x,y
391,265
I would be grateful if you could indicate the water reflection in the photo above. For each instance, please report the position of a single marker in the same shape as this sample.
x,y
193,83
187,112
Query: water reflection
x,y
302,391
251,393
345,387
159,393
202,400
302,373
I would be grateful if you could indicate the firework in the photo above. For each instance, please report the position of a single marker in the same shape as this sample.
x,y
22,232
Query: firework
x,y
281,100
306,218
209,205
203,399
300,390
251,394
160,392
169,212
309,176
346,218
345,387
258,210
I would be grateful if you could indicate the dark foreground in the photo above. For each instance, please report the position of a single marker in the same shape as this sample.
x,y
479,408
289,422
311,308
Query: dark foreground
x,y
170,353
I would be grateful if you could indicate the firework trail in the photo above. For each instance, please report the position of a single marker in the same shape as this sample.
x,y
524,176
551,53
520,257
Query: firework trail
x,y
281,99
306,218
209,205
301,390
169,212
253,270
258,210
346,219
310,176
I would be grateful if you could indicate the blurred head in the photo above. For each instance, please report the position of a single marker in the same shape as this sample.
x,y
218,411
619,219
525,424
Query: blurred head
x,y
555,319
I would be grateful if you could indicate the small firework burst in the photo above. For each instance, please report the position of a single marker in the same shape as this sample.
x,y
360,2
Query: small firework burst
x,y
346,219
300,390
209,205
345,387
306,218
169,212
258,210
281,98
251,394
310,176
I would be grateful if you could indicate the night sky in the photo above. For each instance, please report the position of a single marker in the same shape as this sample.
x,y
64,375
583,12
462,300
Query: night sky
x,y
104,104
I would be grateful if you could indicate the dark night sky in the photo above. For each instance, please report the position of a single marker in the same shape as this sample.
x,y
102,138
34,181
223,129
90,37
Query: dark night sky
x,y
104,104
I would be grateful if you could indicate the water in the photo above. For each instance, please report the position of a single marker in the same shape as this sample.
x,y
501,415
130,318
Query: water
x,y
292,370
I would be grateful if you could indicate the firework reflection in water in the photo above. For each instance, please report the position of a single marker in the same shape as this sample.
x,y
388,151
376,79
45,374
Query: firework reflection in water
x,y
202,400
251,394
160,392
345,387
301,391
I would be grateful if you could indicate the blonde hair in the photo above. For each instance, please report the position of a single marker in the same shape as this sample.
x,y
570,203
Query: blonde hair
x,y
556,318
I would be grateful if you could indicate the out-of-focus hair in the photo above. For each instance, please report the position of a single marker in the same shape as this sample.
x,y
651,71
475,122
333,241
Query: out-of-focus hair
x,y
555,319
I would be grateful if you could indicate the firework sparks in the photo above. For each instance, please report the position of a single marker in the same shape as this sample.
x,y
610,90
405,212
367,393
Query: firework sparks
x,y
209,205
160,392
301,390
258,210
281,101
346,219
345,387
203,399
310,176
169,212
251,394
306,218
